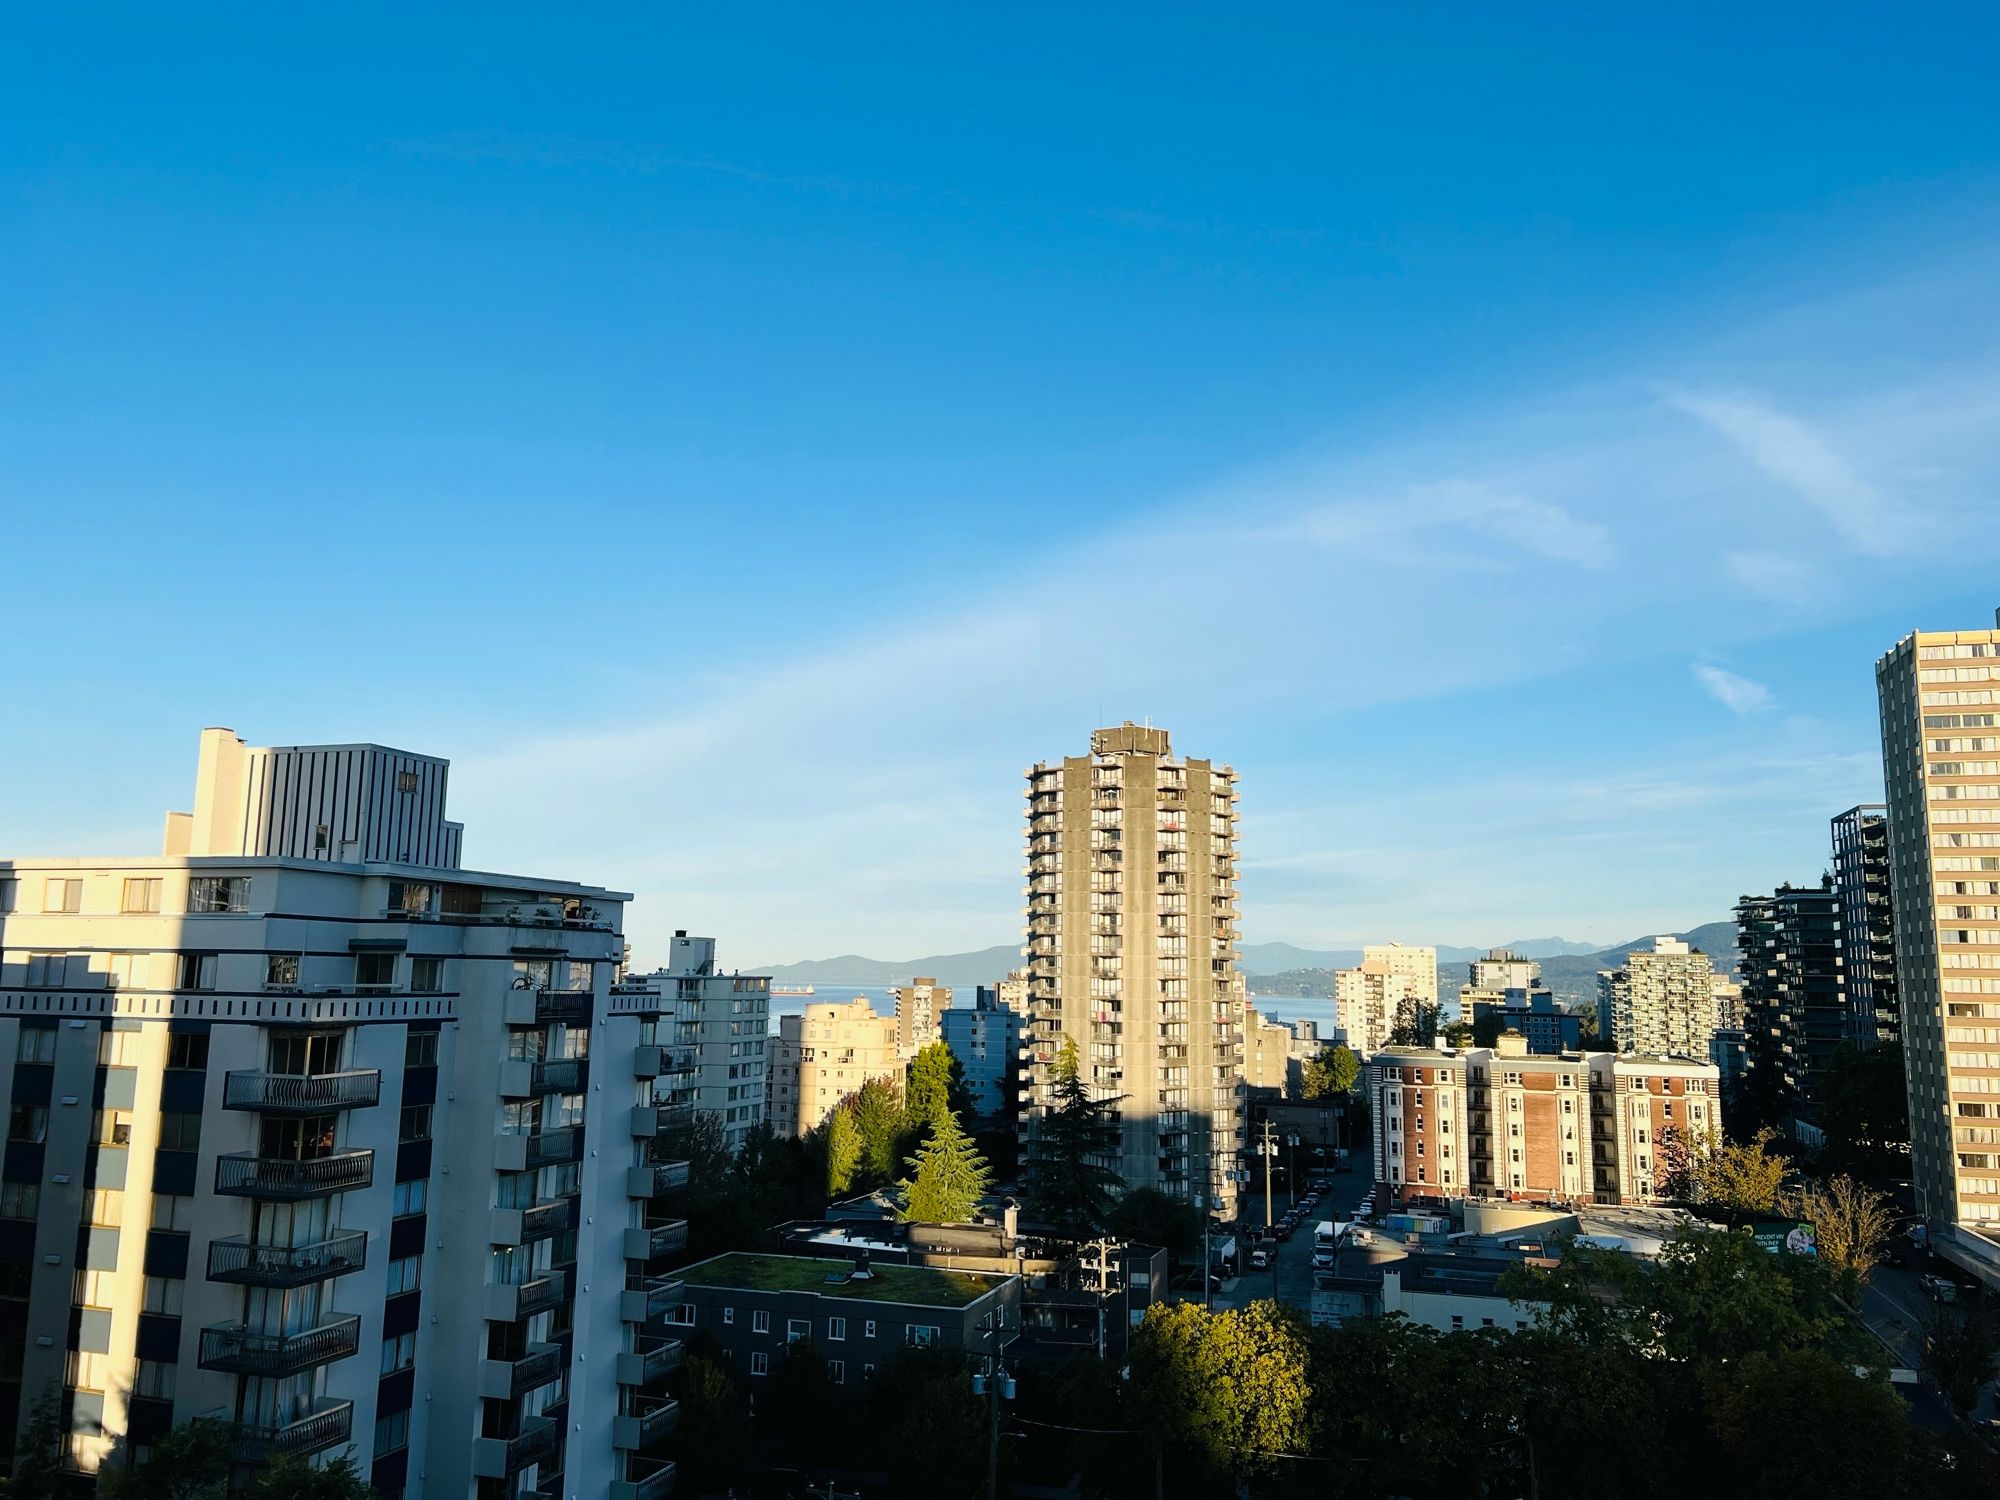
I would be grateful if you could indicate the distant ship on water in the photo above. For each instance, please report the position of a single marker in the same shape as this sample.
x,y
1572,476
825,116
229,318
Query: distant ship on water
x,y
791,989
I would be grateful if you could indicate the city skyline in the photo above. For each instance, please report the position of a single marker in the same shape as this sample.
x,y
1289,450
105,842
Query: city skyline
x,y
1540,489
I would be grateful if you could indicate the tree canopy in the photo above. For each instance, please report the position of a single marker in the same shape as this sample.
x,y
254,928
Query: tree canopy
x,y
947,1176
1330,1072
1070,1188
935,1086
1852,1225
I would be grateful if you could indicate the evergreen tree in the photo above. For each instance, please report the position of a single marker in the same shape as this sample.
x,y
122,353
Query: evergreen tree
x,y
879,1113
1069,1188
932,1076
843,1151
949,1175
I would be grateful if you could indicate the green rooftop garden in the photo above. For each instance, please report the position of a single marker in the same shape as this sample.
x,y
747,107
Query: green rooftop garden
x,y
921,1286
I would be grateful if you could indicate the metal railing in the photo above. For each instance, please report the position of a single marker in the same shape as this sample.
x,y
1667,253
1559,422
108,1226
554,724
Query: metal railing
x,y
244,1174
244,1351
328,1425
302,1093
244,1262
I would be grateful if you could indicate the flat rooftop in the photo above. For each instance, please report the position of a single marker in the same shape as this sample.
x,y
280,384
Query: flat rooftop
x,y
916,1286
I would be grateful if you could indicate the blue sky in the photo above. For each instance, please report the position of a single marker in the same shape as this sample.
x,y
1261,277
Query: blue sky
x,y
743,443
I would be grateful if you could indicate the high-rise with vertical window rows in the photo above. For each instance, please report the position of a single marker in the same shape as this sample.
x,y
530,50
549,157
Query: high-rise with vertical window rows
x,y
312,1129
1867,922
1131,928
1941,763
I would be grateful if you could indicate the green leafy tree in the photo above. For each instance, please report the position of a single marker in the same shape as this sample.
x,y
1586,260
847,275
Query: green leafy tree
x,y
1416,1023
936,1086
879,1114
1739,1177
1852,1226
947,1176
1796,1422
295,1479
1222,1389
1069,1187
1675,1174
1147,1216
38,1450
189,1463
713,1405
1961,1342
1330,1072
799,1405
1459,1034
924,1427
843,1151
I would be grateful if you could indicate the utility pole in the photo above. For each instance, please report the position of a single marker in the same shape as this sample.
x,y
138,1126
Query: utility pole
x,y
1267,1150
997,1383
1207,1264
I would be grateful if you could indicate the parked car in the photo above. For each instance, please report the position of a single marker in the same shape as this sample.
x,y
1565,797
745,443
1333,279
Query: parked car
x,y
1283,1232
1260,1259
1941,1288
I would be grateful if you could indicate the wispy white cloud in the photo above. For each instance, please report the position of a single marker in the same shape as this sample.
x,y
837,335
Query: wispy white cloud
x,y
1799,456
1737,694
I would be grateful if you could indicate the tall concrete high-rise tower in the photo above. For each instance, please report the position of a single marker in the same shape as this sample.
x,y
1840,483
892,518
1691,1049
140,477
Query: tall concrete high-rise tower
x,y
1131,951
1941,763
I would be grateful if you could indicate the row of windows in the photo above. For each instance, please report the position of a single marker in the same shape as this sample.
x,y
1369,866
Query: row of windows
x,y
62,895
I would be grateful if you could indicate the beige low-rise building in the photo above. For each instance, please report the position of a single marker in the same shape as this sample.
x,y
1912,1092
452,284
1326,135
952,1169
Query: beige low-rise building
x,y
822,1055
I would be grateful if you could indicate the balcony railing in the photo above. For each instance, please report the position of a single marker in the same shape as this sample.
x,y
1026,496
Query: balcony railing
x,y
652,1484
521,1079
645,1367
668,1237
498,1458
654,1297
656,1179
327,1426
245,1263
527,1153
284,1179
243,1351
510,1302
508,1380
639,1430
302,1093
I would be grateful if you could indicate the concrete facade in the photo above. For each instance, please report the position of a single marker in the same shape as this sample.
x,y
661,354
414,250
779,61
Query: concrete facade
x,y
1131,948
722,1023
1795,1005
918,1005
1867,922
301,1128
985,1037
822,1055
1661,1002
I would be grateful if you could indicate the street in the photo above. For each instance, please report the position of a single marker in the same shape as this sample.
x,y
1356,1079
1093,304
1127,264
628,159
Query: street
x,y
1292,1280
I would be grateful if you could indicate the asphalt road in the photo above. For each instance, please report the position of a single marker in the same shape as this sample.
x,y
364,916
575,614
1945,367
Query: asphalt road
x,y
1293,1279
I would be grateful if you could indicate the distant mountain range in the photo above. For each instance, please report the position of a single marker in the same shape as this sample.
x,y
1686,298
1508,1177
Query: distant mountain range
x,y
1569,967
1570,970
959,970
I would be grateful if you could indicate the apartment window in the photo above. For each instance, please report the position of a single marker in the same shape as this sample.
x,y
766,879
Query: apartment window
x,y
796,1329
922,1335
104,1208
760,1321
533,974
374,971
173,1213
154,1379
579,974
111,1127
405,1275
20,1200
187,1049
760,1363
10,893
197,971
48,971
141,895
1457,1322
209,895
62,895
868,1329
38,1045
28,1122
838,1370
180,1132
281,971
420,1049
411,896
392,1433
95,1289
89,1372
117,1047
162,1294
399,1353
411,1198
416,1124
836,1329
427,976
728,1315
